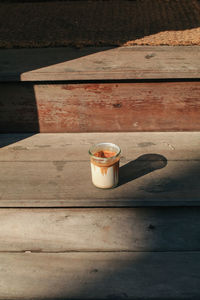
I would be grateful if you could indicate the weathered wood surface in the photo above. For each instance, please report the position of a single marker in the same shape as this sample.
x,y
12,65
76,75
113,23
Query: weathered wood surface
x,y
137,62
177,146
100,276
102,229
64,183
149,178
98,107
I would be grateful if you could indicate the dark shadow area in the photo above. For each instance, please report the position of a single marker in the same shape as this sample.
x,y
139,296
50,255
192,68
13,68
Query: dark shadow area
x,y
143,165
8,139
18,108
18,112
15,63
179,184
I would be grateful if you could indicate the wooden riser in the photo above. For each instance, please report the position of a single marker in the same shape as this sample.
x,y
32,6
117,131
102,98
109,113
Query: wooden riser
x,y
99,107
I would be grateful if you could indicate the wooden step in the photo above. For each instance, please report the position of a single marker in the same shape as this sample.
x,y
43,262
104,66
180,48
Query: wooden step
x,y
100,276
100,89
139,240
53,170
56,230
62,238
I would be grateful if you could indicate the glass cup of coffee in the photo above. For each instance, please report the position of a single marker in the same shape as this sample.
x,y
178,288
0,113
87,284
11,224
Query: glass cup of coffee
x,y
104,158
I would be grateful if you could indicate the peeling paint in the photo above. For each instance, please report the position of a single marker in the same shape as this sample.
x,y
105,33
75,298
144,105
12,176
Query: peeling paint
x,y
135,124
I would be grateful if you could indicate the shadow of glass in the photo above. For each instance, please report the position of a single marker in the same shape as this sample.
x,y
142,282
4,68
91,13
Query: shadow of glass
x,y
143,165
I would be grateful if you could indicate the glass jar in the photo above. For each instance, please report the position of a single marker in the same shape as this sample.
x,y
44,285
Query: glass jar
x,y
104,158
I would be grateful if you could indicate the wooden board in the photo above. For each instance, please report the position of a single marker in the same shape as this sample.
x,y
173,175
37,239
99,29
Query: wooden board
x,y
102,229
100,276
137,62
65,183
151,177
98,107
177,146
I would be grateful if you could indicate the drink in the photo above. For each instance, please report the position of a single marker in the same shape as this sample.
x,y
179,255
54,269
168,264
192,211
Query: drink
x,y
104,159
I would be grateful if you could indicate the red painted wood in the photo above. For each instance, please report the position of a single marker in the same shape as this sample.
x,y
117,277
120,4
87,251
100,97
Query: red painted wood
x,y
172,106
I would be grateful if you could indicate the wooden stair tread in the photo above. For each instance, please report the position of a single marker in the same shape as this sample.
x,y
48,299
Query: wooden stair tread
x,y
100,229
100,275
53,170
100,63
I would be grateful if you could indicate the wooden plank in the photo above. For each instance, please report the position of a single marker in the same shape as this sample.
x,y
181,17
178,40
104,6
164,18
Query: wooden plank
x,y
116,229
54,170
137,62
100,276
54,146
150,180
172,106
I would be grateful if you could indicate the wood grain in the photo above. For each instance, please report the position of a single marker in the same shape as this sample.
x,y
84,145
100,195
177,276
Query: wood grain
x,y
107,229
109,107
75,146
100,276
137,62
54,170
63,183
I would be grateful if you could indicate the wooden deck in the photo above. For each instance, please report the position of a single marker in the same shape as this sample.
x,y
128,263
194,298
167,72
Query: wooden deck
x,y
62,238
